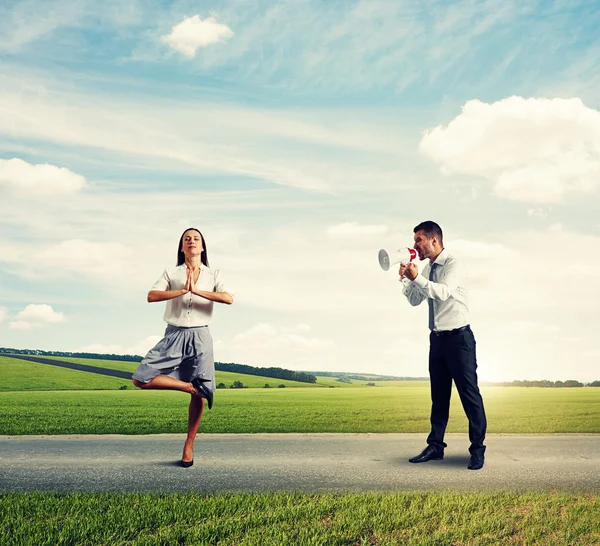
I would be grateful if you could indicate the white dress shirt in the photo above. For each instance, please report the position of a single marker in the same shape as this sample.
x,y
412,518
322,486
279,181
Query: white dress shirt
x,y
190,310
447,291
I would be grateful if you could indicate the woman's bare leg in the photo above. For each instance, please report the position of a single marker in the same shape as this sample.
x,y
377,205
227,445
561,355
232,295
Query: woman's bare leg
x,y
194,415
165,382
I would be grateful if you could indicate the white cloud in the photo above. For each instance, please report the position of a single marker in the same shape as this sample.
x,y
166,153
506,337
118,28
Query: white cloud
x,y
369,44
476,250
19,325
266,345
300,270
3,314
82,255
269,337
302,328
193,32
30,20
539,212
36,316
41,313
407,351
27,21
206,136
41,180
343,313
354,229
140,348
111,264
529,327
534,150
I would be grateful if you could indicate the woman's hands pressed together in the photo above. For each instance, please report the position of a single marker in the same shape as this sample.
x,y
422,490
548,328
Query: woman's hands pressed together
x,y
192,275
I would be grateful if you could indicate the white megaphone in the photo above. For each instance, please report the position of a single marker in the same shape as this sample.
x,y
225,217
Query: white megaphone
x,y
404,255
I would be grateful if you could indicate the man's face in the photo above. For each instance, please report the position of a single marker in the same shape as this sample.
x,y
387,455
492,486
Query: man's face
x,y
423,245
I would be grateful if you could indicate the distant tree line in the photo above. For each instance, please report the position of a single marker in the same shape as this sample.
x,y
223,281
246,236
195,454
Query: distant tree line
x,y
304,377
276,373
368,377
129,358
546,383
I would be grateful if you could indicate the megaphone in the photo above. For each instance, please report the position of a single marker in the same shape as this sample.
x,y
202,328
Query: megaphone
x,y
404,255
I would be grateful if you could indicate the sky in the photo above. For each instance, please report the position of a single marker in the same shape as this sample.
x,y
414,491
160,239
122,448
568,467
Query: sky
x,y
300,138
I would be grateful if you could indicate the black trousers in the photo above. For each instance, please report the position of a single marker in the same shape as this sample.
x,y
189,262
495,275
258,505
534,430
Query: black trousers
x,y
452,357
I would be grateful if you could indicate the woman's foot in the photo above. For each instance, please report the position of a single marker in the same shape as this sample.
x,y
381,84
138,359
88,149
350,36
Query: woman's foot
x,y
188,454
203,390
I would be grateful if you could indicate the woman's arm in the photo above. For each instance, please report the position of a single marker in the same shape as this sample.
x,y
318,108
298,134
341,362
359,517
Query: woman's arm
x,y
162,295
219,297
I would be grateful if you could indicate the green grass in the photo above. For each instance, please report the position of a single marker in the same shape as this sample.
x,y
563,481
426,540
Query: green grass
x,y
92,404
251,381
406,518
327,381
123,365
385,409
22,375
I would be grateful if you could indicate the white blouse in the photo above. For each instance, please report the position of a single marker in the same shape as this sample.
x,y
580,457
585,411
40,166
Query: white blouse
x,y
190,310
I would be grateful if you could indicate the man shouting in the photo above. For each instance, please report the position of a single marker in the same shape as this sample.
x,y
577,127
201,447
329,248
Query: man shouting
x,y
452,344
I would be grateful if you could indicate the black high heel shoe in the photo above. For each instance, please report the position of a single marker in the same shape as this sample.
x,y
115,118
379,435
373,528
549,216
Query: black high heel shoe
x,y
186,464
203,390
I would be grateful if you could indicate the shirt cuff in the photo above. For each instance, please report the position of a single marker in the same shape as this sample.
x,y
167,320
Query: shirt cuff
x,y
420,281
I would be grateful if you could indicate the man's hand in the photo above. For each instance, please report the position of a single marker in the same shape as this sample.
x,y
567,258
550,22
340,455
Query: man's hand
x,y
402,271
411,271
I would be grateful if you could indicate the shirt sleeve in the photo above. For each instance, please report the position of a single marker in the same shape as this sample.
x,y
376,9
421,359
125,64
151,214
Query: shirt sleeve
x,y
163,282
448,286
412,291
220,285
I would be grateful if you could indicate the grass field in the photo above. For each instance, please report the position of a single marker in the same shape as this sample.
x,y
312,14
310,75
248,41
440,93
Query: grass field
x,y
386,409
93,404
42,399
22,375
252,381
427,519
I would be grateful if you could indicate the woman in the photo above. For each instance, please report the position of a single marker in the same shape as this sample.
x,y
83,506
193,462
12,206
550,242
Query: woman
x,y
183,359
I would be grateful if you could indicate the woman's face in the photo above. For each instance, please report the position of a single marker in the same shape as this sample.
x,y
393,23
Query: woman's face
x,y
192,243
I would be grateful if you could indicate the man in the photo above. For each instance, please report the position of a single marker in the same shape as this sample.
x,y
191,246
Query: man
x,y
452,344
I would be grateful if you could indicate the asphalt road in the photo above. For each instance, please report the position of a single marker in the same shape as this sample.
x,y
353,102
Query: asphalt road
x,y
72,366
295,462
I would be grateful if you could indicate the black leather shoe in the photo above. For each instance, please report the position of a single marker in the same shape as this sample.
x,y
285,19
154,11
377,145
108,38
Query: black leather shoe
x,y
204,391
187,464
430,453
475,462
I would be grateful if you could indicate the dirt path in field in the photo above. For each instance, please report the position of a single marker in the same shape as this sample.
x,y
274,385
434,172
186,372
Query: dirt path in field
x,y
295,462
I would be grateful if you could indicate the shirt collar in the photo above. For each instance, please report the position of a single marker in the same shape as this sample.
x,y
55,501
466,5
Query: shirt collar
x,y
441,259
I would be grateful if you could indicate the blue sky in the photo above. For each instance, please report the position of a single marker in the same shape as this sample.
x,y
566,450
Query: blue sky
x,y
302,137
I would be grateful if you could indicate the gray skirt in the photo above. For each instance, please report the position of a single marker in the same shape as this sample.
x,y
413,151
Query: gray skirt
x,y
184,353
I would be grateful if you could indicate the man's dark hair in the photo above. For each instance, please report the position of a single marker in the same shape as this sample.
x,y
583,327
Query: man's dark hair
x,y
430,229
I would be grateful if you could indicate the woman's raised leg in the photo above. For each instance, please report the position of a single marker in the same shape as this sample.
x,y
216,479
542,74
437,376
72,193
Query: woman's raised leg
x,y
165,382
